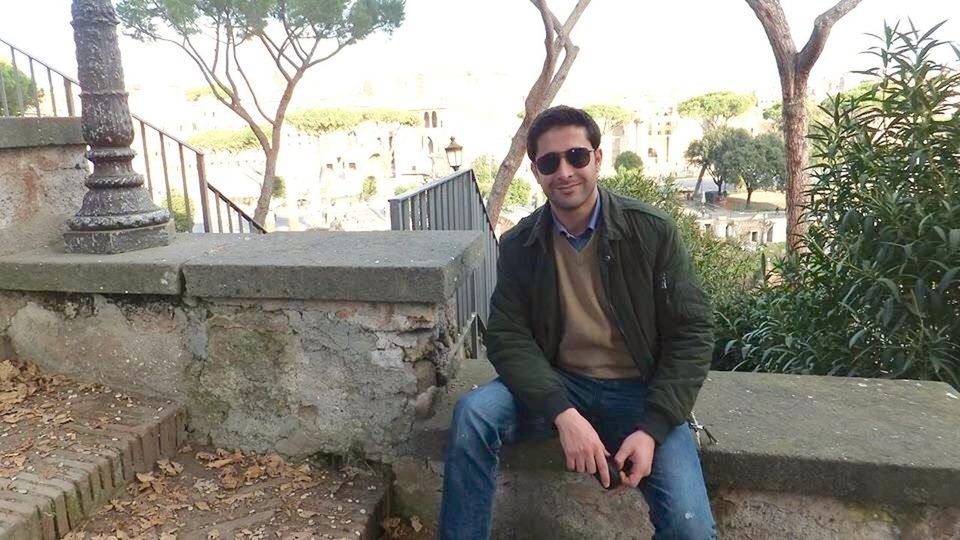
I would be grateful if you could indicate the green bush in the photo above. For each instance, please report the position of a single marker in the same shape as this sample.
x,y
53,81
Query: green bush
x,y
877,294
181,218
401,189
320,121
279,188
369,188
726,269
227,140
628,160
519,192
485,170
27,88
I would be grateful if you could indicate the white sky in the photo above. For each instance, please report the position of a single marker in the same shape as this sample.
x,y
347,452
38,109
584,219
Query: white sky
x,y
627,47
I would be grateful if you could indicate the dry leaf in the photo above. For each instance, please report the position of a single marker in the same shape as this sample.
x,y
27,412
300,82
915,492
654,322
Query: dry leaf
x,y
306,514
274,465
221,463
146,478
252,473
229,478
202,506
416,524
205,456
8,371
170,468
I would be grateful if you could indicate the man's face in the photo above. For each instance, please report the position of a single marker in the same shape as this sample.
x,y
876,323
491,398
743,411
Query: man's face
x,y
567,188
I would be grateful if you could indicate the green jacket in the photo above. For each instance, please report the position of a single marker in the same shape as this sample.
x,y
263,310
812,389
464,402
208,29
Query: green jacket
x,y
656,300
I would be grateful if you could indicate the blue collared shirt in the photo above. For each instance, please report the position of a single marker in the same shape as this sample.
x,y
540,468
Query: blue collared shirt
x,y
580,242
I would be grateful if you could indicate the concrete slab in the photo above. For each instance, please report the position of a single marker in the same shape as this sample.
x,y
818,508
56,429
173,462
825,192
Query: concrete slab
x,y
868,439
388,266
150,271
33,132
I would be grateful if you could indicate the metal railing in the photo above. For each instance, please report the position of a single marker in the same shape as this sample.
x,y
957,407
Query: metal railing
x,y
454,203
184,188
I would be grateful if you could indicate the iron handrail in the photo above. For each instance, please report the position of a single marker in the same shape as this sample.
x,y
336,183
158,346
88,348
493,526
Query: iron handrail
x,y
179,146
455,203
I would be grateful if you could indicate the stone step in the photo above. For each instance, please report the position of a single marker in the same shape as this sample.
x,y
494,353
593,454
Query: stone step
x,y
70,448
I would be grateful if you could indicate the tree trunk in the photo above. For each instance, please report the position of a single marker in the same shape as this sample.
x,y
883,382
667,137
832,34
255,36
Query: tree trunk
x,y
541,94
507,170
795,141
794,68
266,189
749,196
703,170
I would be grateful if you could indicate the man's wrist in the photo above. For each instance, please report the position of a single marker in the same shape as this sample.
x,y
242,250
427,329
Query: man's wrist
x,y
562,418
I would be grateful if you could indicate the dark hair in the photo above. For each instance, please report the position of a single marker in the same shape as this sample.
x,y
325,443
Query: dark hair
x,y
560,116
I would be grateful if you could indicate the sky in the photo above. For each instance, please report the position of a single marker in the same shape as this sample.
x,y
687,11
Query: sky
x,y
627,47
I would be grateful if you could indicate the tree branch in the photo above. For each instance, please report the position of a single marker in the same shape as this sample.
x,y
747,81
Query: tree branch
x,y
226,67
821,31
778,33
339,48
535,97
569,55
276,58
246,80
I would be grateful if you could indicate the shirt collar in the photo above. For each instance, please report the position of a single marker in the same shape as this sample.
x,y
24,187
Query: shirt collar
x,y
591,226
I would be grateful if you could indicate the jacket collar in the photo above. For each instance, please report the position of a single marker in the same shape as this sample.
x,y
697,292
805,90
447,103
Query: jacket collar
x,y
612,228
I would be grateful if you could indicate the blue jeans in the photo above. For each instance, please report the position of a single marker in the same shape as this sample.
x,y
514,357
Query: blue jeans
x,y
488,417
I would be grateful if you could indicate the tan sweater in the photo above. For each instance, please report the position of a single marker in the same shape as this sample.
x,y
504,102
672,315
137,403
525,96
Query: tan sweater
x,y
591,344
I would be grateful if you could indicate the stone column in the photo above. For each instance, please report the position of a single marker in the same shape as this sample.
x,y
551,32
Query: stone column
x,y
117,214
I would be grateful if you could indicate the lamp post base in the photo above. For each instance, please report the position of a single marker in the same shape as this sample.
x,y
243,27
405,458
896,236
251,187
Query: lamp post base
x,y
117,240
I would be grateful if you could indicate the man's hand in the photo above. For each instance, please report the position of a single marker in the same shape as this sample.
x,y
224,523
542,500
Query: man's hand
x,y
638,448
582,446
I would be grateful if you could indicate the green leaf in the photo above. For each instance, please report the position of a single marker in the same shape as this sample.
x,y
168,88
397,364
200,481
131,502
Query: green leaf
x,y
891,286
856,337
948,279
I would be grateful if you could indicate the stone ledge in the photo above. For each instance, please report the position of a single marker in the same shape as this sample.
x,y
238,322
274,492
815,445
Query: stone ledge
x,y
863,440
393,266
33,132
889,441
407,266
150,271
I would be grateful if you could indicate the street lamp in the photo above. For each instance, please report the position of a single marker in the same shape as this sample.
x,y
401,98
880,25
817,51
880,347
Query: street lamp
x,y
454,154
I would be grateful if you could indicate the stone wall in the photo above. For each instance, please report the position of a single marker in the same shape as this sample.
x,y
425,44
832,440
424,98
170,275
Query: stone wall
x,y
295,370
42,169
286,376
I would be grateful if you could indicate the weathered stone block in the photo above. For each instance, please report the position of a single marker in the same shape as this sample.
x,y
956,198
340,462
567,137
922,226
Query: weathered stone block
x,y
41,185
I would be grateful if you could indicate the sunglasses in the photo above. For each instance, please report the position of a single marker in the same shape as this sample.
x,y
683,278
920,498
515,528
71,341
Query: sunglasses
x,y
578,158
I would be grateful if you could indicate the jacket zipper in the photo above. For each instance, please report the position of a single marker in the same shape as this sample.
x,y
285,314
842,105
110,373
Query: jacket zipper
x,y
605,274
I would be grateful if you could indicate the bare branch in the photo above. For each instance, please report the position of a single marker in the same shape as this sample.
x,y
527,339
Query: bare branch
x,y
569,55
573,18
535,97
226,67
775,25
339,48
276,58
246,80
821,31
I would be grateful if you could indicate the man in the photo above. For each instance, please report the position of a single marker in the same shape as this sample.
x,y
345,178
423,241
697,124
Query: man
x,y
597,329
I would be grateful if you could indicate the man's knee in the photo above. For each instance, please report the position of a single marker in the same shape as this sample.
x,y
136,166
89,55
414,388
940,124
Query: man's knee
x,y
479,413
690,525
